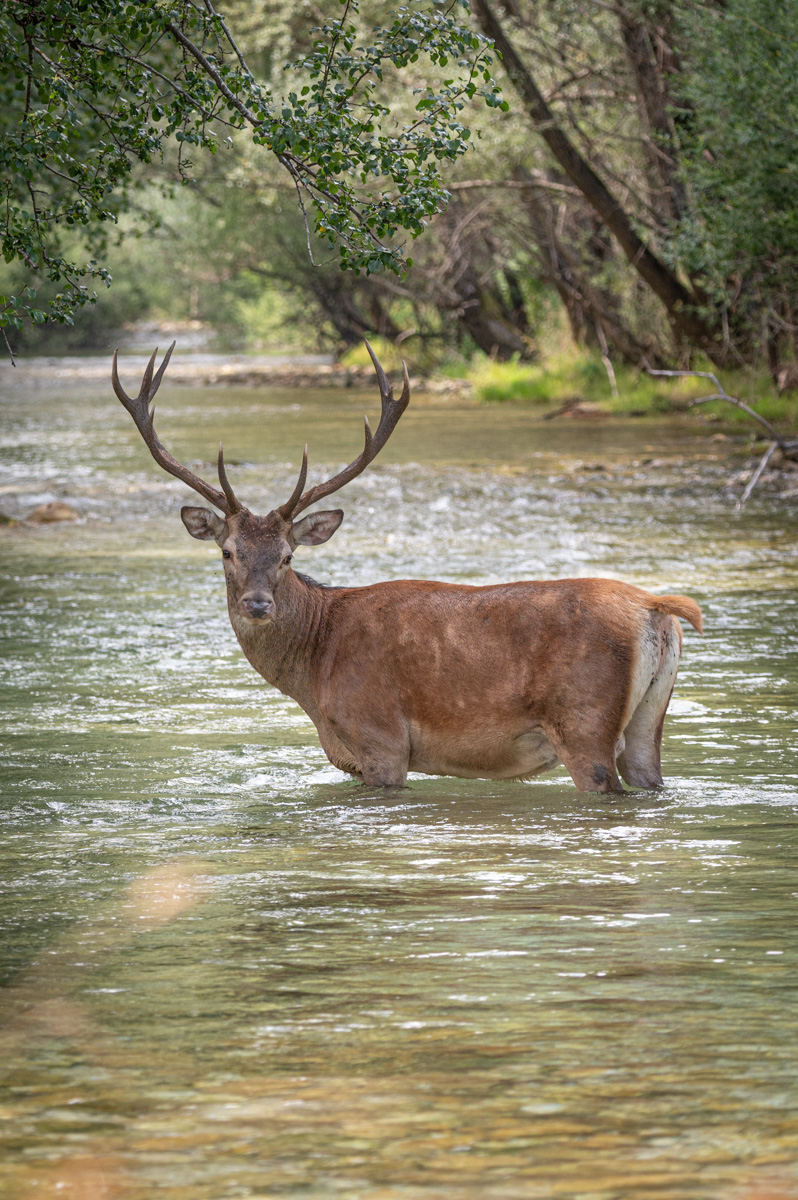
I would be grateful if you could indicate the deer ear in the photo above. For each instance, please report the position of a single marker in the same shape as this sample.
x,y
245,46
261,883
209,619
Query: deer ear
x,y
202,523
317,528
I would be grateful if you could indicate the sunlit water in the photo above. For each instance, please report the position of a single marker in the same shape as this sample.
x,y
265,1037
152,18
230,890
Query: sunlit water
x,y
233,972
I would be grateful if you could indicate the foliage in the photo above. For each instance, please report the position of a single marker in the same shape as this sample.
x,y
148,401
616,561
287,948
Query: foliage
x,y
702,164
389,355
679,180
569,376
563,377
740,157
91,90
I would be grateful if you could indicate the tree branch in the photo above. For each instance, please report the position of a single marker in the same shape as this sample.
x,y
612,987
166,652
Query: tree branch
x,y
678,301
545,185
754,480
722,394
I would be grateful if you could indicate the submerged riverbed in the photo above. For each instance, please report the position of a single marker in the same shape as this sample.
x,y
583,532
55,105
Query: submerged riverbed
x,y
232,972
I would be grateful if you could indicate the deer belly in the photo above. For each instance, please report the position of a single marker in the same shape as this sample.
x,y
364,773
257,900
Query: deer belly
x,y
483,755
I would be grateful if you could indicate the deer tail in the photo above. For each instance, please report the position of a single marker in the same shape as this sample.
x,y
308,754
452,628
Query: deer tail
x,y
678,606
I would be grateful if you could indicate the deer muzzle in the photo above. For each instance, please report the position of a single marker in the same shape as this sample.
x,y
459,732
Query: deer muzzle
x,y
260,607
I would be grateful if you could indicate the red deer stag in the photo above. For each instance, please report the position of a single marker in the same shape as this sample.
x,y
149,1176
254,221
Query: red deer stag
x,y
497,682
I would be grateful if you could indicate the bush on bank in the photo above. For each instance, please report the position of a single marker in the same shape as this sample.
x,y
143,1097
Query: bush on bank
x,y
576,375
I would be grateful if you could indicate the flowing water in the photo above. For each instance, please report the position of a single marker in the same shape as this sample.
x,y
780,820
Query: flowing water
x,y
232,972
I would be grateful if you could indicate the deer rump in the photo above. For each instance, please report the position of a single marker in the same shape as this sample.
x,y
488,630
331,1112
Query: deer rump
x,y
495,682
483,682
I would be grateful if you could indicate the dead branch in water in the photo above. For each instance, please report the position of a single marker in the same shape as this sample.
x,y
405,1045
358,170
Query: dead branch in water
x,y
754,480
787,448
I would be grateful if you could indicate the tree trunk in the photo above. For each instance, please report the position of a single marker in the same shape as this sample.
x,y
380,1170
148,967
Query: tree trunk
x,y
479,312
338,297
668,195
469,290
588,306
517,313
678,301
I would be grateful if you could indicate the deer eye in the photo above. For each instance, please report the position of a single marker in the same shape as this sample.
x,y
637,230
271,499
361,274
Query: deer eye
x,y
226,554
287,560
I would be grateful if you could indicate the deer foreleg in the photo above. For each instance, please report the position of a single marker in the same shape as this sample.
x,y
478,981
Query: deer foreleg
x,y
589,761
373,755
339,755
383,756
592,772
381,772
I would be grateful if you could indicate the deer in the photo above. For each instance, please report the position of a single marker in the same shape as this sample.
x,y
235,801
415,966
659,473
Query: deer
x,y
503,681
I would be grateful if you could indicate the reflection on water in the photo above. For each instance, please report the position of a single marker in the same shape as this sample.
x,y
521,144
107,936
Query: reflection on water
x,y
230,971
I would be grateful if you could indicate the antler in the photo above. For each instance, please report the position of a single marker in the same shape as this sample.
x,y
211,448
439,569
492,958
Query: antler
x,y
143,416
391,412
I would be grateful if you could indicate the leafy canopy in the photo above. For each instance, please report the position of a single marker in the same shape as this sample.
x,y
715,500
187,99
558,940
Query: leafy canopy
x,y
739,115
91,88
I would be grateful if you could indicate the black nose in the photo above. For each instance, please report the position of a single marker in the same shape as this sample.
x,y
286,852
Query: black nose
x,y
257,607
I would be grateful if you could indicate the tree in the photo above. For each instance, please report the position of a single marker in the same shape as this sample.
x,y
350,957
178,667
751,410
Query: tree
x,y
676,124
680,302
739,108
91,90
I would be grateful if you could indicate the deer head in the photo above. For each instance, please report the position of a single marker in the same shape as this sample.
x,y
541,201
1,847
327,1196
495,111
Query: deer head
x,y
257,551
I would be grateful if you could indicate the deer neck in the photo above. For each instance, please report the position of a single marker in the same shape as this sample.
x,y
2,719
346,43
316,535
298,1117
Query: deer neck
x,y
282,650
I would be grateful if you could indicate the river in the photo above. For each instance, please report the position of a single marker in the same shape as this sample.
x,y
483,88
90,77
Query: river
x,y
230,971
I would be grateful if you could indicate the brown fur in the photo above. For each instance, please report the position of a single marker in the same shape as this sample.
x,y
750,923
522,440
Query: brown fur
x,y
502,681
499,682
679,606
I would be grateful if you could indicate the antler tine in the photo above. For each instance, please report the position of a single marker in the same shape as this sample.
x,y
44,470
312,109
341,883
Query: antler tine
x,y
368,435
392,410
382,378
404,399
160,372
144,390
143,418
235,505
286,510
386,391
121,394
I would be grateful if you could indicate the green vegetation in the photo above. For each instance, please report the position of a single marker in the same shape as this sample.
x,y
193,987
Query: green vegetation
x,y
565,378
739,113
638,195
91,90
389,355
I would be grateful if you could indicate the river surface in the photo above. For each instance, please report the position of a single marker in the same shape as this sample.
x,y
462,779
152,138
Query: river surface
x,y
230,971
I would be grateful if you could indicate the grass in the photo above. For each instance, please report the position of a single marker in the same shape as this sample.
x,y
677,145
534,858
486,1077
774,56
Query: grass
x,y
567,374
581,375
